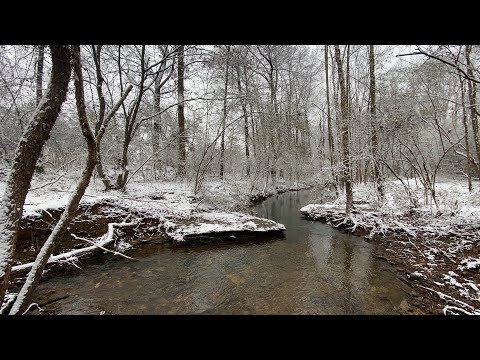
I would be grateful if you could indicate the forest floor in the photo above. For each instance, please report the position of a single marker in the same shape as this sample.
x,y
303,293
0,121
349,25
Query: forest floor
x,y
436,250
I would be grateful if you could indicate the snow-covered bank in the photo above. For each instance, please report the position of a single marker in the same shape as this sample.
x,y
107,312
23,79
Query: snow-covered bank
x,y
168,208
237,195
441,244
171,198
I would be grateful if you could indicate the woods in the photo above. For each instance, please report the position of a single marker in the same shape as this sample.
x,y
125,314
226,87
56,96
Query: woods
x,y
401,119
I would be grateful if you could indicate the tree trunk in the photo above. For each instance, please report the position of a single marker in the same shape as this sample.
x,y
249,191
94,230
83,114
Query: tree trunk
x,y
97,50
252,118
101,173
26,156
373,123
243,103
331,146
157,124
122,178
472,95
224,117
336,100
347,80
156,128
465,127
26,293
181,116
39,74
345,133
273,123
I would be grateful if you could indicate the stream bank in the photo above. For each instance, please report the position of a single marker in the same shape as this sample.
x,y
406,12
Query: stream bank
x,y
434,251
312,269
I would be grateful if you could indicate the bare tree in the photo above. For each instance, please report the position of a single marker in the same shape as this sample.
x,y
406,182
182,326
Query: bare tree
x,y
27,154
243,102
224,117
26,293
465,128
182,151
472,97
97,51
331,145
345,133
157,120
377,177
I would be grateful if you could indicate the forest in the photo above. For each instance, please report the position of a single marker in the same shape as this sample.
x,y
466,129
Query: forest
x,y
239,179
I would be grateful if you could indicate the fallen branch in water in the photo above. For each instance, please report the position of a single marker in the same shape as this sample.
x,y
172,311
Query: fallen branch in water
x,y
104,240
102,248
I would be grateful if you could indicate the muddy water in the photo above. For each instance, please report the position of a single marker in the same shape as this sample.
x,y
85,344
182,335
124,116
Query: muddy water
x,y
313,270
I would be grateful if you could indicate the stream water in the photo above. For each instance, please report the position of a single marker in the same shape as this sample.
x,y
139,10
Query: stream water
x,y
314,269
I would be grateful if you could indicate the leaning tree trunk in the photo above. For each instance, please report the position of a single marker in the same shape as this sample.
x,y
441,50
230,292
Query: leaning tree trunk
x,y
26,156
345,133
182,153
60,230
373,109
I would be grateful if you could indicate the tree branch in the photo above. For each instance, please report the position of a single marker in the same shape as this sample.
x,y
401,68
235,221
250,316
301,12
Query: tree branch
x,y
421,52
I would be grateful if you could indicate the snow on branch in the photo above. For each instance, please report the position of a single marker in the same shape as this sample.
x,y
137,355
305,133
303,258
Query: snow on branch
x,y
103,241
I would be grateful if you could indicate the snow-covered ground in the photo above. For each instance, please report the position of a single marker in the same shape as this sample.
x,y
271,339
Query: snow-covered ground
x,y
441,244
172,198
180,211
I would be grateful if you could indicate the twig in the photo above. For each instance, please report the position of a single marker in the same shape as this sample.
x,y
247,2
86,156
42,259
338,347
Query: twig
x,y
30,306
421,253
47,184
48,212
448,257
56,180
448,297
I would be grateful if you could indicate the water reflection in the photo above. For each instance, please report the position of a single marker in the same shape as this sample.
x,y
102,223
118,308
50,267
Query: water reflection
x,y
313,270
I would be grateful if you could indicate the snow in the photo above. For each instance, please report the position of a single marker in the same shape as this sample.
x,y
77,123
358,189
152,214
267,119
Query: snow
x,y
5,230
181,213
469,263
174,199
8,299
220,222
175,202
457,207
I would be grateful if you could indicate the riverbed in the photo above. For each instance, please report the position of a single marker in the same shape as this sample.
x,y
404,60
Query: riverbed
x,y
313,269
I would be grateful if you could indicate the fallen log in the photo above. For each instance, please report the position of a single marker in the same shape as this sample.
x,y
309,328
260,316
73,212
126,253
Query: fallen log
x,y
103,241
